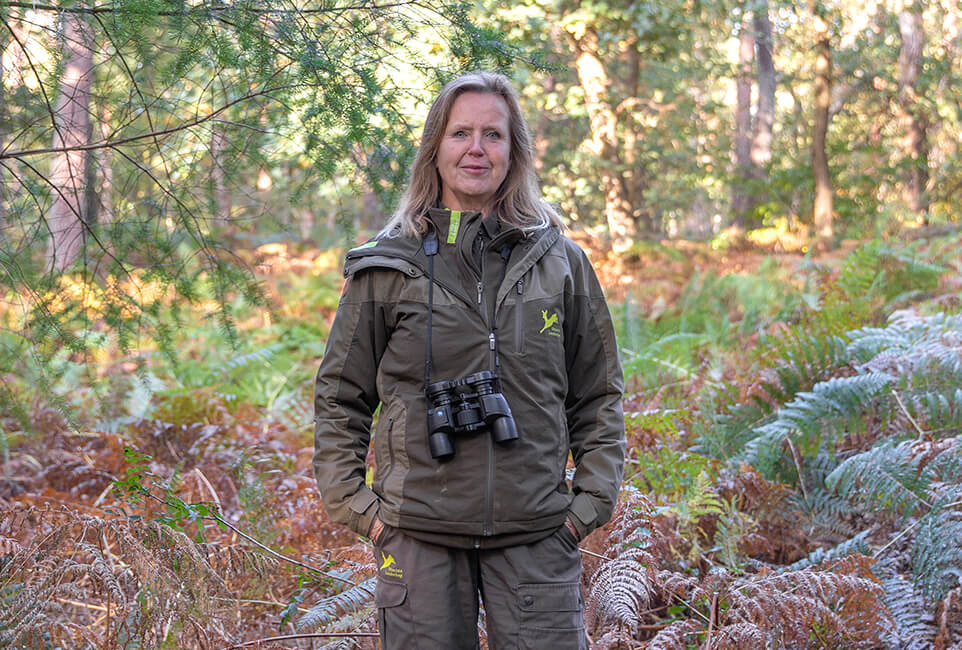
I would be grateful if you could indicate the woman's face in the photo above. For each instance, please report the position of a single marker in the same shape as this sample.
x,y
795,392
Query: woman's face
x,y
475,151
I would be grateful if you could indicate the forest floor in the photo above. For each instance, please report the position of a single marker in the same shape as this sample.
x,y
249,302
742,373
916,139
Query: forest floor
x,y
198,524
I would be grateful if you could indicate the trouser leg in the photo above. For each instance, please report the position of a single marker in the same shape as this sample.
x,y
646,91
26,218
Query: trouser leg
x,y
532,595
426,595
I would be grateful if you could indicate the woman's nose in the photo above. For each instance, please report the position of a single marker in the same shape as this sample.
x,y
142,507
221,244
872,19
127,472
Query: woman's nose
x,y
476,148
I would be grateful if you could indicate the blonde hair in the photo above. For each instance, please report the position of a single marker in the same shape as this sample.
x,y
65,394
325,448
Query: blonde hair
x,y
518,201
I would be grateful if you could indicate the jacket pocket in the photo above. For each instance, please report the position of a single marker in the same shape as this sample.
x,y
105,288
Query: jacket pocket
x,y
551,616
383,454
389,453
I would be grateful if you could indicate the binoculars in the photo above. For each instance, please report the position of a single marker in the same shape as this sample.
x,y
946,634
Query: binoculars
x,y
465,405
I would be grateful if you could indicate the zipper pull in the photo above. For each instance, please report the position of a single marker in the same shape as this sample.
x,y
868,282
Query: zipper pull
x,y
480,286
520,286
491,341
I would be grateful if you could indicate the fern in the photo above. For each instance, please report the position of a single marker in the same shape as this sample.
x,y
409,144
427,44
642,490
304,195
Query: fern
x,y
679,635
857,544
936,553
621,589
906,331
939,413
888,271
803,360
887,477
914,626
833,408
347,603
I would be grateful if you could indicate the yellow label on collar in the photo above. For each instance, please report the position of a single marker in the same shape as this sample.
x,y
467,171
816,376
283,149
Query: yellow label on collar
x,y
453,226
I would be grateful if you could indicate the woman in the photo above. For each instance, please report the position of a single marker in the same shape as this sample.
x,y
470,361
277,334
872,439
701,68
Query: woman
x,y
484,336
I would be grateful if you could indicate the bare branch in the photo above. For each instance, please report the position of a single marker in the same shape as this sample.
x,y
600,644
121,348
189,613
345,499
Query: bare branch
x,y
315,635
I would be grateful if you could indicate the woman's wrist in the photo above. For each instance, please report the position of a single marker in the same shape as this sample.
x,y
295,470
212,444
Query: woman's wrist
x,y
377,527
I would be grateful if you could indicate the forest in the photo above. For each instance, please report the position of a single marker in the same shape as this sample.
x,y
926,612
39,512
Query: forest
x,y
768,191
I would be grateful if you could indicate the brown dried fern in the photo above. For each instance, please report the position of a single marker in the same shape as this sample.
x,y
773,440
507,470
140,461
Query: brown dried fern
x,y
117,581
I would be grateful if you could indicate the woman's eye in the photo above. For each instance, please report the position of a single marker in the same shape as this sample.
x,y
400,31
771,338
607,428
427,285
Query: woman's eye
x,y
459,134
494,135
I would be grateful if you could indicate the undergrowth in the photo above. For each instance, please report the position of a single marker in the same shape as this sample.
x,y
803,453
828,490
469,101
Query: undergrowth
x,y
793,474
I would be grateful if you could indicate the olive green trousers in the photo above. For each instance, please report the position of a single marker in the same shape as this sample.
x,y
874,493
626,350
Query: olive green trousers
x,y
427,596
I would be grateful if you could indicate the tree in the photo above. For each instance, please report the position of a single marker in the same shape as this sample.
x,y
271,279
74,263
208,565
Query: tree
x,y
753,138
170,110
915,145
823,215
70,169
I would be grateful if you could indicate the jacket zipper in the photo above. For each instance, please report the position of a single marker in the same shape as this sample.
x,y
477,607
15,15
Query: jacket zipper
x,y
488,525
519,319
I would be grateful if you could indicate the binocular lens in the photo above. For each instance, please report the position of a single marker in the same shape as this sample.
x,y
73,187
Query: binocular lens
x,y
440,444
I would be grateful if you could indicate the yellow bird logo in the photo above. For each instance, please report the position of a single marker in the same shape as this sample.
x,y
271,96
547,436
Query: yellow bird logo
x,y
388,560
548,322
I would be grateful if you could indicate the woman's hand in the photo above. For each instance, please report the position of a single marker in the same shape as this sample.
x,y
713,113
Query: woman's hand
x,y
571,529
377,527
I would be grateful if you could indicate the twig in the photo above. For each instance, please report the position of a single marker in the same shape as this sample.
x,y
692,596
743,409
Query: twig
x,y
712,614
798,468
259,602
67,601
210,487
915,424
281,556
907,531
315,635
593,554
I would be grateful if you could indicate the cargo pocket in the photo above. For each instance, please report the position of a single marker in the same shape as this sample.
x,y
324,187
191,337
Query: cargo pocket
x,y
551,616
387,597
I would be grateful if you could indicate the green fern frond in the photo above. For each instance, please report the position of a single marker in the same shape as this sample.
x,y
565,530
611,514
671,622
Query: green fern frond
x,y
936,553
914,626
905,331
826,511
939,412
887,477
803,360
833,408
262,355
346,603
857,544
887,270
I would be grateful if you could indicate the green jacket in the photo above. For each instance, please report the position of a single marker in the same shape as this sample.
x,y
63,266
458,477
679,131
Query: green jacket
x,y
553,348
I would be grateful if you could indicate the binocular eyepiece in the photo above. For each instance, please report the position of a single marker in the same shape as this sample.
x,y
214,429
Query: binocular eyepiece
x,y
464,405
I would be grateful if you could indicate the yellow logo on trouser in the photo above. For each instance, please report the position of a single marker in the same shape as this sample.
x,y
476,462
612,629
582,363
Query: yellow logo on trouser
x,y
389,567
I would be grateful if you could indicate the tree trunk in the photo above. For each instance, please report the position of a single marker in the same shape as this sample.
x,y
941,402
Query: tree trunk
x,y
823,100
915,144
761,153
741,193
68,170
604,140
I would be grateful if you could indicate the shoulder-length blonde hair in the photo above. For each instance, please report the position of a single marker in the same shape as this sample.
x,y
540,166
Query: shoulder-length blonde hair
x,y
518,201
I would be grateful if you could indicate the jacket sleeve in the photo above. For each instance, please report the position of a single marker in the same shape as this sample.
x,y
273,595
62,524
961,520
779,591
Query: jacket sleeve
x,y
346,396
596,423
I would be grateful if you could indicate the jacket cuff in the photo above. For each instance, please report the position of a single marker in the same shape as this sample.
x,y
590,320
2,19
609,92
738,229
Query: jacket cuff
x,y
583,514
364,507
